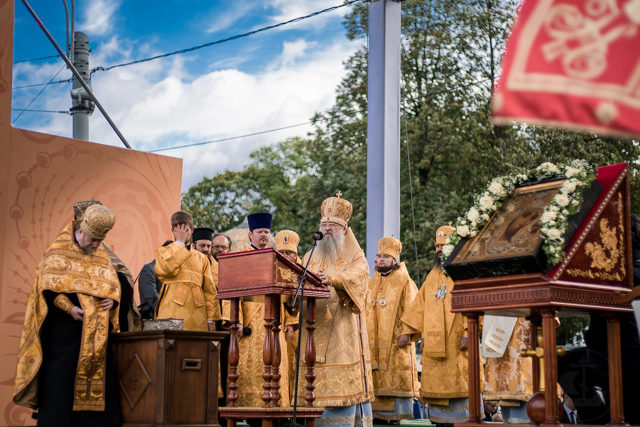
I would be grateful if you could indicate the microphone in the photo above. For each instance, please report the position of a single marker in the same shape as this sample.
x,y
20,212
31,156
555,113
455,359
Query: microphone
x,y
317,235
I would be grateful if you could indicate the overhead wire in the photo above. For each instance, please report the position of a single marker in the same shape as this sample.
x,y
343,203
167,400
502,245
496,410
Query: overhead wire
x,y
227,39
41,111
37,95
42,58
42,84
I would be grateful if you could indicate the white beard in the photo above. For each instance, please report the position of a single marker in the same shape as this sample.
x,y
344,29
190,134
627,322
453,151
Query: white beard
x,y
331,247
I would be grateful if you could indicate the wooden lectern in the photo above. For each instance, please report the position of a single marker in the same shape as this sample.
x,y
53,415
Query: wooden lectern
x,y
498,273
168,377
267,272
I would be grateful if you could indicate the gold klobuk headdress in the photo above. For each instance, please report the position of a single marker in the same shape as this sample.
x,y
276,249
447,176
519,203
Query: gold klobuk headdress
x,y
442,233
336,209
81,206
97,221
390,246
287,240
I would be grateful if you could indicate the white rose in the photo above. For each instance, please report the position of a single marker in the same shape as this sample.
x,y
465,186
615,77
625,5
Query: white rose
x,y
485,217
473,215
562,199
496,188
570,172
447,249
569,186
548,216
486,202
462,230
554,233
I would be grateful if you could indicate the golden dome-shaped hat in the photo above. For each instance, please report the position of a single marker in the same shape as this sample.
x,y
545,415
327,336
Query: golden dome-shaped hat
x,y
442,233
81,206
97,221
390,246
287,240
336,209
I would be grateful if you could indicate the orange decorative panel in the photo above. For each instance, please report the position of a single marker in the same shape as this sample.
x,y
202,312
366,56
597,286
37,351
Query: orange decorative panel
x,y
41,177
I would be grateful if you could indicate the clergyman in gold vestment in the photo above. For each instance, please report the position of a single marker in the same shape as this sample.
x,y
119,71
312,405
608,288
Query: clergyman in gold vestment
x,y
188,291
65,366
445,379
343,370
393,356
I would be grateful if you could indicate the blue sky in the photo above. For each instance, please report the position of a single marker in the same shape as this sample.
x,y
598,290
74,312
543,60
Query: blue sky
x,y
273,79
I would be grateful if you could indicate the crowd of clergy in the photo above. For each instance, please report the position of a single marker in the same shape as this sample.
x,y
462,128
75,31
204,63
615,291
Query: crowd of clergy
x,y
366,333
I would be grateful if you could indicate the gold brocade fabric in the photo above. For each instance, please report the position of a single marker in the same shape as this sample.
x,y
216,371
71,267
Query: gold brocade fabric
x,y
394,368
251,363
442,377
343,369
66,269
510,377
188,290
133,315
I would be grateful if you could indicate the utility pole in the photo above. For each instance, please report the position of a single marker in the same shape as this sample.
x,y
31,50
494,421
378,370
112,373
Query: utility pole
x,y
81,103
383,124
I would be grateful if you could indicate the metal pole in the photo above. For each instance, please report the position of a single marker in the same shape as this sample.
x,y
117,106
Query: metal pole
x,y
75,73
82,105
383,126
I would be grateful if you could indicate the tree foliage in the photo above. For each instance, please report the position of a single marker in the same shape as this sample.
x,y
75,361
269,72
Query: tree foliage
x,y
450,62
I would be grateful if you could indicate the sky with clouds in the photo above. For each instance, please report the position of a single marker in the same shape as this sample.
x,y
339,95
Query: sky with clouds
x,y
273,79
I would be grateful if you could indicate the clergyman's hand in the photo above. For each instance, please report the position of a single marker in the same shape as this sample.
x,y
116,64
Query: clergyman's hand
x,y
77,313
182,232
288,332
106,303
403,340
323,277
464,343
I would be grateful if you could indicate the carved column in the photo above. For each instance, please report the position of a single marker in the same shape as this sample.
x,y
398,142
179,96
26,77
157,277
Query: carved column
x,y
234,355
550,360
310,352
267,350
474,367
277,355
615,369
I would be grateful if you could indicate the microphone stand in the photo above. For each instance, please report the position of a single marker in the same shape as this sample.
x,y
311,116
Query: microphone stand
x,y
300,290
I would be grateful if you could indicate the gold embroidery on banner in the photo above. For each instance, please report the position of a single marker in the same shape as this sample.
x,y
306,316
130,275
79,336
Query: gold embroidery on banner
x,y
580,41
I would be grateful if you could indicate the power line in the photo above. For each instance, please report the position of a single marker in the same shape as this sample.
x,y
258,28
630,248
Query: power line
x,y
229,138
42,84
236,37
331,116
37,95
42,58
41,111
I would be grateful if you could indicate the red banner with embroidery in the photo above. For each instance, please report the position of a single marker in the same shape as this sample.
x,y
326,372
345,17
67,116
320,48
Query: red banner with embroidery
x,y
573,64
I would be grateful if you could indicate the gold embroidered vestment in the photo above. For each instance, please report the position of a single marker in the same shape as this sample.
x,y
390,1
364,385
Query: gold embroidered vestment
x,y
66,269
394,368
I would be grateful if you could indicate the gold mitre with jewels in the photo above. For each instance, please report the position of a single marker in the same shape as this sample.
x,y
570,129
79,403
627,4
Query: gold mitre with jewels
x,y
442,233
287,240
97,221
390,246
336,209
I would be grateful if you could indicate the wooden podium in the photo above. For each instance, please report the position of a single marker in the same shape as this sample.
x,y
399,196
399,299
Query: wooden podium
x,y
168,378
595,275
267,272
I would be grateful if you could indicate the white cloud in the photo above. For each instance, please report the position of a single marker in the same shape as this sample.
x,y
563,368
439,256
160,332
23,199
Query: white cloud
x,y
98,16
155,105
235,10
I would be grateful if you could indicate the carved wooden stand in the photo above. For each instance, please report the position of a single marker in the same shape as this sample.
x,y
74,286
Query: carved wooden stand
x,y
270,277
